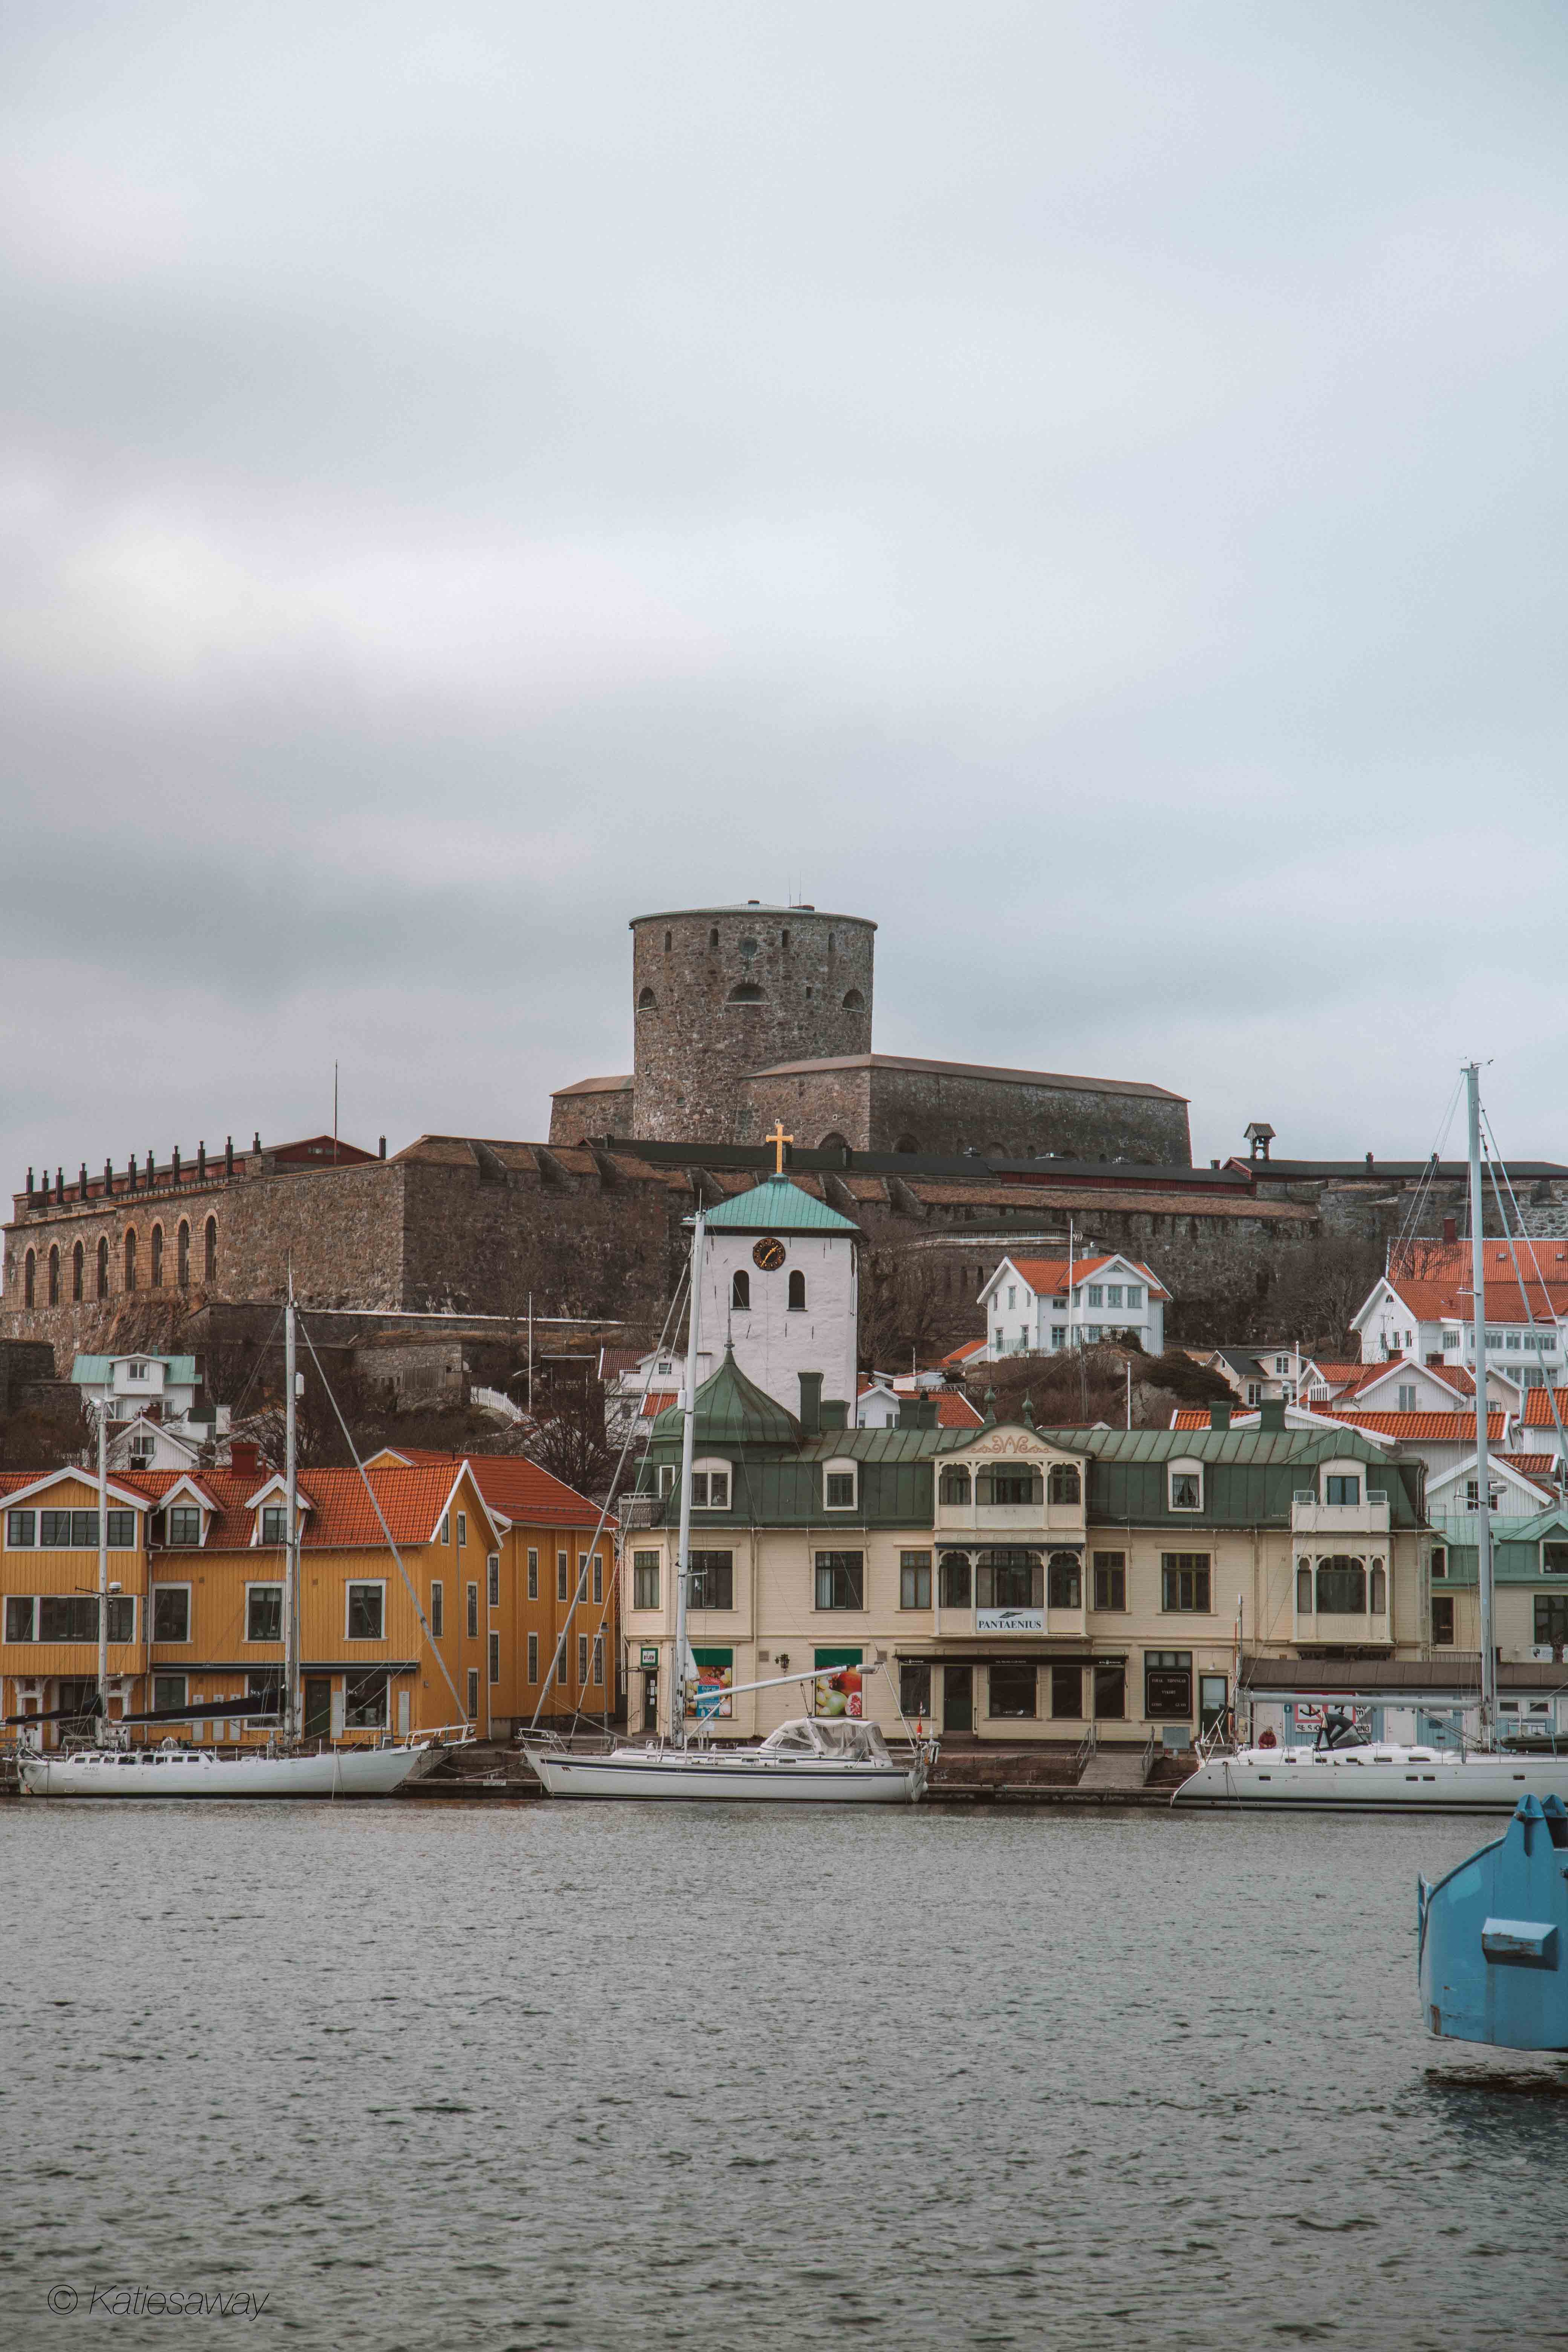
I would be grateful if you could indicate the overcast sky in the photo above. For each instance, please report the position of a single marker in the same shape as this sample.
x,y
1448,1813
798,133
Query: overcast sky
x,y
1081,484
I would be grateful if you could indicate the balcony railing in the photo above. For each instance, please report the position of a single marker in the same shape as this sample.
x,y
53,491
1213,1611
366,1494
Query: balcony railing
x,y
1331,1625
1309,1516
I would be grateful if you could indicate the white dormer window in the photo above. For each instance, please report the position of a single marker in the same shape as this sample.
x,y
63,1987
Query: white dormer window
x,y
138,1371
840,1487
1186,1488
274,1523
711,1486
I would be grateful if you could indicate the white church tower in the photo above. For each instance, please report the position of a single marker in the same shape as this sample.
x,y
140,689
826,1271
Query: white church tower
x,y
781,1284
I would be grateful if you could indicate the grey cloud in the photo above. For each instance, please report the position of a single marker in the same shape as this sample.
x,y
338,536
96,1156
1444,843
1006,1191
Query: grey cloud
x,y
1083,486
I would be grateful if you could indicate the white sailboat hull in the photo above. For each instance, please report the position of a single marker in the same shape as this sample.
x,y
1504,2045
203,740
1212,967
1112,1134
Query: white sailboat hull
x,y
165,1773
1372,1780
740,1776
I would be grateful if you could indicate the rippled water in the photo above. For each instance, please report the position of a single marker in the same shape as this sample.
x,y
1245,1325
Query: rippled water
x,y
552,2076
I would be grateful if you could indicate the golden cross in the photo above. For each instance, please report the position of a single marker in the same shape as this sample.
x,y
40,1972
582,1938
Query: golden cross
x,y
778,1139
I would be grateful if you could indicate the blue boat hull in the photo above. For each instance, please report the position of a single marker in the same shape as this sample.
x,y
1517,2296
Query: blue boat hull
x,y
1493,1938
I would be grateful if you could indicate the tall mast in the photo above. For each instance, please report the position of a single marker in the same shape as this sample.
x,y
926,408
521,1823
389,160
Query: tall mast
x,y
1479,1346
290,1526
103,1558
688,1452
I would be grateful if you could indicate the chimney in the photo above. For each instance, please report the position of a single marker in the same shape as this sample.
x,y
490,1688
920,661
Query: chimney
x,y
811,1403
383,1147
1271,1413
1219,1415
1450,1229
245,1458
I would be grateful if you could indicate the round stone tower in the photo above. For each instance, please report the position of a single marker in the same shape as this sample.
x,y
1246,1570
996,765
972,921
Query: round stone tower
x,y
719,991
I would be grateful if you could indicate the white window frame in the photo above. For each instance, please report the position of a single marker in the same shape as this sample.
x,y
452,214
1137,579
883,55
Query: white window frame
x,y
711,1466
170,1584
259,1584
844,1465
462,1530
361,1583
1185,1468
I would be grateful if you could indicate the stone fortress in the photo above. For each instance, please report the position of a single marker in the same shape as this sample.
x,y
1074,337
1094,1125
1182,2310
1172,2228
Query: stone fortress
x,y
746,1016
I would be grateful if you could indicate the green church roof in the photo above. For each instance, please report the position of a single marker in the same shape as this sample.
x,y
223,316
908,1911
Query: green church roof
x,y
733,1410
777,1206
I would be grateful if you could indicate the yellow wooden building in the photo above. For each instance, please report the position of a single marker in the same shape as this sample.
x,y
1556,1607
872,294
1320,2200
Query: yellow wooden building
x,y
487,1553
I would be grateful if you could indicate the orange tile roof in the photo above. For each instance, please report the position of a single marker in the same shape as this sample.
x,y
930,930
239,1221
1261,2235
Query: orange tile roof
x,y
658,1401
1429,1261
1447,1299
1047,1276
1533,1465
1538,1408
516,1488
953,1409
961,1355
1455,1428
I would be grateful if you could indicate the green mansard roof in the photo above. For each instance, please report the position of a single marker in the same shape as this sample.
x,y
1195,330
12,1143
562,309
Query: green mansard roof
x,y
777,1206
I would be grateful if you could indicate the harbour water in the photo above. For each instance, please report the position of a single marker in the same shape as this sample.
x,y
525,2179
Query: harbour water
x,y
545,2076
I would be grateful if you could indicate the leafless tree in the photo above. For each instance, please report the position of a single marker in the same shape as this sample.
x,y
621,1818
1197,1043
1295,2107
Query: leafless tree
x,y
902,1316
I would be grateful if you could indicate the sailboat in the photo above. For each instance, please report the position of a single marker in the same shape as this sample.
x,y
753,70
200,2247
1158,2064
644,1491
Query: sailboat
x,y
810,1759
113,1768
1346,1769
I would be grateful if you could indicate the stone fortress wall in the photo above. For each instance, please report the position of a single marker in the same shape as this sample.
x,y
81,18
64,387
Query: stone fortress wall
x,y
746,1016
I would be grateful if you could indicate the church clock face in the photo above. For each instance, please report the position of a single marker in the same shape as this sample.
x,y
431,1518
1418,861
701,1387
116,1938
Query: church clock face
x,y
769,1254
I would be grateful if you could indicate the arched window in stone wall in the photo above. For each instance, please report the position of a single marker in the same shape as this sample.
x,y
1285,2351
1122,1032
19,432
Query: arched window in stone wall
x,y
79,1273
55,1276
907,1143
211,1274
104,1266
741,1290
183,1256
854,1001
646,1001
157,1257
29,1278
797,1293
833,1141
748,993
129,1257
